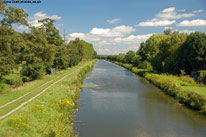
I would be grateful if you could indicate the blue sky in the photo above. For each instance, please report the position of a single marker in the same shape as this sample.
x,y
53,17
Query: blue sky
x,y
116,26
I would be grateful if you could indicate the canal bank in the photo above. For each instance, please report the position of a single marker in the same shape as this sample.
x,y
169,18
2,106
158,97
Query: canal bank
x,y
182,88
125,105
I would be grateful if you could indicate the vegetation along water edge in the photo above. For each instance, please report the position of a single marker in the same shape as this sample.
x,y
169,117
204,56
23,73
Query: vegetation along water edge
x,y
51,113
183,88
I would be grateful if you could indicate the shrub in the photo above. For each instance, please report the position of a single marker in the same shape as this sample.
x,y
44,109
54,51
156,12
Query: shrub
x,y
128,66
16,81
201,76
187,79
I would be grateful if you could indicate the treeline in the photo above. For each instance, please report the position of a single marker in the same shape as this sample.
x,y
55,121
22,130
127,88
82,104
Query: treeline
x,y
171,52
38,50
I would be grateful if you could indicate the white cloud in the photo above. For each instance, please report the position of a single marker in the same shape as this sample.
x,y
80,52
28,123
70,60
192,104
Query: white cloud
x,y
40,15
171,9
33,20
198,11
186,31
197,22
116,31
97,34
170,13
100,31
111,40
113,21
77,35
132,39
156,22
168,16
165,28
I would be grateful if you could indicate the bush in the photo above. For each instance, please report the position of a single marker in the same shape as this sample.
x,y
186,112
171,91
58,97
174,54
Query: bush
x,y
33,71
146,65
128,66
187,79
16,81
1,86
201,76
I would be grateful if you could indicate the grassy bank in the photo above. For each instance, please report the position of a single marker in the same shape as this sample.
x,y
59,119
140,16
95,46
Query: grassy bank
x,y
51,113
183,88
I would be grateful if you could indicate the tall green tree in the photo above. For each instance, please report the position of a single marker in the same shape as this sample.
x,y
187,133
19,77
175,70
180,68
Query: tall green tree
x,y
13,15
53,37
194,52
11,42
129,55
75,52
38,56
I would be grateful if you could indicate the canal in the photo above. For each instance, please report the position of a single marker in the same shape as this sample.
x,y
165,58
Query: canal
x,y
125,105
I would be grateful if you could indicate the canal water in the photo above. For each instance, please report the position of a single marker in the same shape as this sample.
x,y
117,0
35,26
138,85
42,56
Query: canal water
x,y
125,105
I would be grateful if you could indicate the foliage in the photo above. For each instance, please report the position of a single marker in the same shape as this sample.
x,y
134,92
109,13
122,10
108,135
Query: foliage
x,y
75,52
52,112
201,76
12,15
129,55
171,52
11,46
39,55
194,52
37,51
16,81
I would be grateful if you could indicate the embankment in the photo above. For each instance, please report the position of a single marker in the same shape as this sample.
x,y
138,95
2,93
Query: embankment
x,y
51,113
184,89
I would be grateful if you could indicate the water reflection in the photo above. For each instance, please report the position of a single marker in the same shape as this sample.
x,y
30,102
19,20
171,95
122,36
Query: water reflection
x,y
126,106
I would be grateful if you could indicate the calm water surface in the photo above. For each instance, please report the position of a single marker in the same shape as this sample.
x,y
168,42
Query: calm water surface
x,y
124,105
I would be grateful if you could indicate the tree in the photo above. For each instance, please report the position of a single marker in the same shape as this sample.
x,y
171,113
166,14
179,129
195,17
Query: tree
x,y
129,55
53,37
172,61
168,32
75,52
94,55
136,60
38,56
11,42
7,59
121,58
51,33
13,15
194,52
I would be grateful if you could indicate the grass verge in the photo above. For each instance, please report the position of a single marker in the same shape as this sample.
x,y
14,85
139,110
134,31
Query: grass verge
x,y
183,88
51,113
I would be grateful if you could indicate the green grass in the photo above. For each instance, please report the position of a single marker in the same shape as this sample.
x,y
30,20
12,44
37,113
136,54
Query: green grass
x,y
5,83
201,90
183,88
17,92
51,113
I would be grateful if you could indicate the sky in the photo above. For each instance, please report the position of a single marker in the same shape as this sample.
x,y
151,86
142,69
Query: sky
x,y
116,26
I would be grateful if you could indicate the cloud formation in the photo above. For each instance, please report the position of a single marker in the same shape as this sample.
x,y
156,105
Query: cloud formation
x,y
33,20
170,13
111,40
112,21
168,17
198,11
157,22
114,32
197,22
